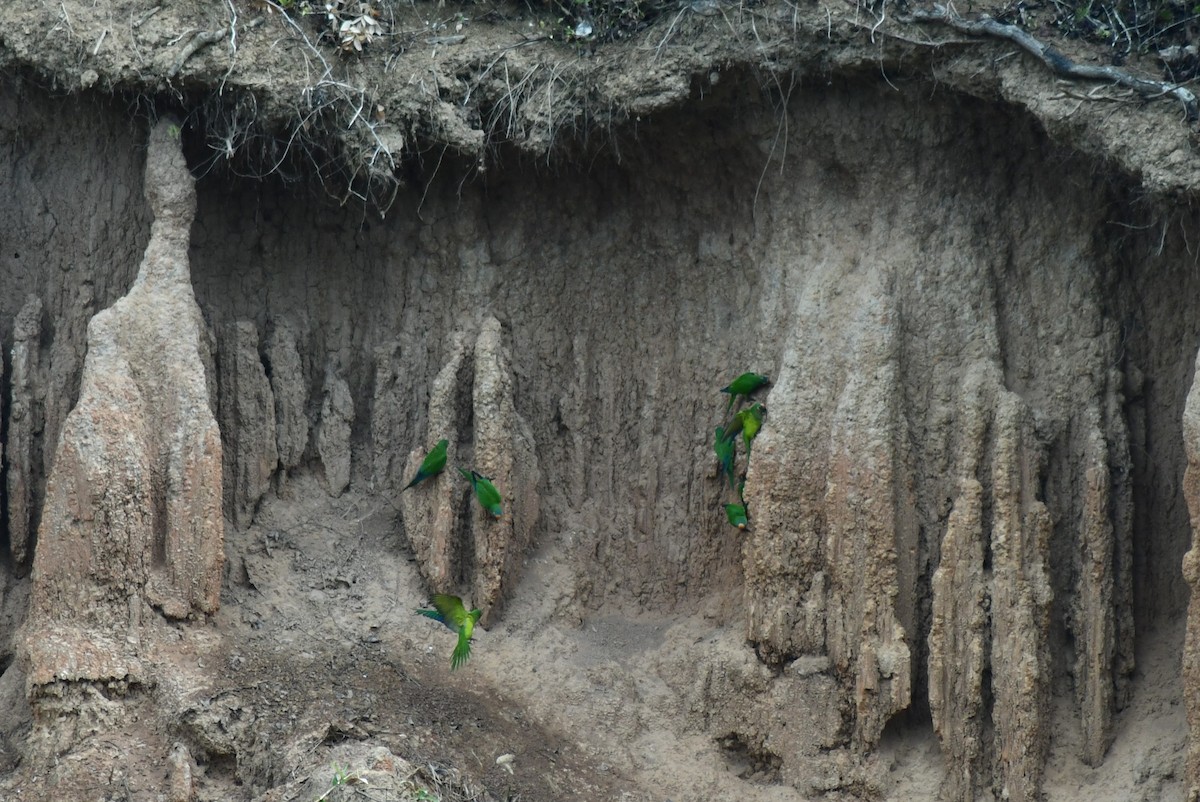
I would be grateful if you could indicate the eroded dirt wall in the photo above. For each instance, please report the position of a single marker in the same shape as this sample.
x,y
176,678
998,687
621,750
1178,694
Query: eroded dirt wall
x,y
902,266
957,503
627,295
1155,297
74,225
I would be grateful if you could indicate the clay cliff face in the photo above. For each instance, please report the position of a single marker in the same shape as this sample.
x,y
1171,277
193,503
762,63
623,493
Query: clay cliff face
x,y
966,509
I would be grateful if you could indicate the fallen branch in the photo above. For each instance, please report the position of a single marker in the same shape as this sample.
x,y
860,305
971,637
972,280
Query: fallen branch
x,y
1056,61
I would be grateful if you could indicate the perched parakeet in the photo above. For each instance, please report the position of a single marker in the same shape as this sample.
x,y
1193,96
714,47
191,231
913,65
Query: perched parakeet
x,y
745,384
432,465
485,491
450,611
751,419
724,448
736,513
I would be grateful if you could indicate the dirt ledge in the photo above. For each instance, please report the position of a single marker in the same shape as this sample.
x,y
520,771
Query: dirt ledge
x,y
476,77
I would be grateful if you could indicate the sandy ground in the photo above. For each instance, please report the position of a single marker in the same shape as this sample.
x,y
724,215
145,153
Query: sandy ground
x,y
320,636
318,627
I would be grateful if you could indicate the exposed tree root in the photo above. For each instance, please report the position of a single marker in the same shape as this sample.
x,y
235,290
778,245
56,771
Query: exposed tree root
x,y
199,39
1056,61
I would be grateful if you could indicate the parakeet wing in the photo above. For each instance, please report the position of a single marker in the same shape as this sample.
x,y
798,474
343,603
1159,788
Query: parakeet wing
x,y
748,383
488,495
434,614
725,454
433,464
452,610
435,460
735,385
735,425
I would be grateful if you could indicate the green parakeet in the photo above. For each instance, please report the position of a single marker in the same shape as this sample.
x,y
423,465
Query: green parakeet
x,y
736,513
734,427
485,491
744,385
724,448
450,611
432,465
751,418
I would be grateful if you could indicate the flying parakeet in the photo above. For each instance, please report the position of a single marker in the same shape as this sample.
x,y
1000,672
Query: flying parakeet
x,y
751,418
432,465
450,611
745,384
724,448
736,513
485,491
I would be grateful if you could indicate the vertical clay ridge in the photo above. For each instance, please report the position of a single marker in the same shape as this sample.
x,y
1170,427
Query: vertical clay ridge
x,y
1096,639
26,418
133,506
132,519
822,564
247,412
1120,512
1021,597
431,510
289,391
835,575
991,602
1191,574
958,635
505,451
785,584
391,412
472,404
864,638
958,646
333,431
